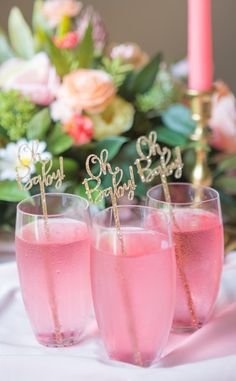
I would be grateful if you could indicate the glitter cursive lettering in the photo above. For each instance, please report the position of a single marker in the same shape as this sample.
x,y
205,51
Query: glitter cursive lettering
x,y
117,189
147,148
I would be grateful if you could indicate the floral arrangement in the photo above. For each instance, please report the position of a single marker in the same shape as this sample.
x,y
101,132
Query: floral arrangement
x,y
63,83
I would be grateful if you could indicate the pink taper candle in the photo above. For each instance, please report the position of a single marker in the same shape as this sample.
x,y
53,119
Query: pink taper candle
x,y
200,45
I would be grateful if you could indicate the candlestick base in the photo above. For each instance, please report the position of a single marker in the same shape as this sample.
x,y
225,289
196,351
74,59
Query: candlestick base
x,y
200,104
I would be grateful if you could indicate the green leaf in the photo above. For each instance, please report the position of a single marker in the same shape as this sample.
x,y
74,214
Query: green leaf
x,y
178,118
10,192
20,34
113,144
142,81
6,51
3,134
37,17
58,141
60,58
55,133
38,20
126,157
189,159
40,26
85,49
227,164
39,125
228,205
141,125
226,182
61,144
80,190
71,167
172,138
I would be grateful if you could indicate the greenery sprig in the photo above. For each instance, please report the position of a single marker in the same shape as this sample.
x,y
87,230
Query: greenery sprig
x,y
16,111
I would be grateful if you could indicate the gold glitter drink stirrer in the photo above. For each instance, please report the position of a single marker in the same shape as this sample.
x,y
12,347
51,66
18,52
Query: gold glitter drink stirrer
x,y
147,147
115,191
27,156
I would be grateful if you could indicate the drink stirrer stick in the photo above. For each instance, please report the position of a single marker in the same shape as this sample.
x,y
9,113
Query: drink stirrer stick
x,y
179,259
115,191
27,156
178,249
147,147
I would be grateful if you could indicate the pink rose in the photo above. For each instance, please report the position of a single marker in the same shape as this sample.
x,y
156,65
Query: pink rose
x,y
54,10
130,53
223,120
36,78
80,128
88,90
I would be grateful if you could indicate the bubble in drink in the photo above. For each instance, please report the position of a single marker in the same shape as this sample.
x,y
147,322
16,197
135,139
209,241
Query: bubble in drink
x,y
199,248
54,269
133,294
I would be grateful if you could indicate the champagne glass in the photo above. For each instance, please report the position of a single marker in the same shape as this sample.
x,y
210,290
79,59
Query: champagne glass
x,y
133,282
195,213
54,266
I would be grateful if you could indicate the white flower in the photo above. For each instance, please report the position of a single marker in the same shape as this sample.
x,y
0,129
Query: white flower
x,y
60,111
11,164
130,53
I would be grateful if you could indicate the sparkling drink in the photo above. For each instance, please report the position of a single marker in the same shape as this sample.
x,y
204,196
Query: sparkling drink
x,y
134,293
198,239
53,259
199,248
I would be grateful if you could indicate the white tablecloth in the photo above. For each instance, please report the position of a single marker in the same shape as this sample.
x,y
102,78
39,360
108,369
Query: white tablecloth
x,y
207,355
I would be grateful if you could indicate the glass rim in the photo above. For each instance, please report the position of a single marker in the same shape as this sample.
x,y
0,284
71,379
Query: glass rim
x,y
215,198
38,195
110,209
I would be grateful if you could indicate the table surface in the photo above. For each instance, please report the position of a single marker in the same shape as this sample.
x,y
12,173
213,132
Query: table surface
x,y
208,354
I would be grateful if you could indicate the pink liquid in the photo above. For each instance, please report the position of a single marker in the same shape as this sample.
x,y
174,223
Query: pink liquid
x,y
199,244
55,279
134,294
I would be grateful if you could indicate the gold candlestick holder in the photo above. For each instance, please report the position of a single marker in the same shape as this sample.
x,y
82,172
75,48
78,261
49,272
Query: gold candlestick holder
x,y
200,104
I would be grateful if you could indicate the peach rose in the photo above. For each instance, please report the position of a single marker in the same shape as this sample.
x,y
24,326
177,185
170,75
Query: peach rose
x,y
223,120
130,53
54,10
87,90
